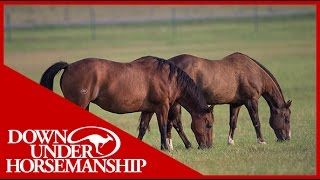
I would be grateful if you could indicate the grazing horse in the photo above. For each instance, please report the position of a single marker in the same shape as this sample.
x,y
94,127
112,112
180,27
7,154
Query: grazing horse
x,y
148,84
236,80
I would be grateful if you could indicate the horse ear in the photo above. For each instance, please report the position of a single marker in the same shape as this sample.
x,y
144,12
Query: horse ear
x,y
289,103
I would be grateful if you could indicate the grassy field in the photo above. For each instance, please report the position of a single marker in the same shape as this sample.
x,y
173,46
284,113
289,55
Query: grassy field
x,y
65,14
286,46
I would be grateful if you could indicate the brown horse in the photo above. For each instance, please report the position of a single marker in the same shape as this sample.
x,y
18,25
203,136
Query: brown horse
x,y
148,84
236,80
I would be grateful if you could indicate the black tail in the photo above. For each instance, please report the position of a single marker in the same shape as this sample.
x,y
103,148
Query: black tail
x,y
48,76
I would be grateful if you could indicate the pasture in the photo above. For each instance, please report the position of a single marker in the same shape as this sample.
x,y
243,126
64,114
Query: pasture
x,y
285,45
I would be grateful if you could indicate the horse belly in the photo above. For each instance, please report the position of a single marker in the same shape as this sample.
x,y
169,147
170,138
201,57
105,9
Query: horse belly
x,y
218,88
232,92
121,101
219,95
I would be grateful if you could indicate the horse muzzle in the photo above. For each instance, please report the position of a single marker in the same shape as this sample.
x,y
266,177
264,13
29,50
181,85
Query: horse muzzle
x,y
282,136
204,146
283,139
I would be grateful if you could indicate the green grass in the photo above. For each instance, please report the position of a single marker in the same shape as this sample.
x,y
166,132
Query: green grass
x,y
64,14
286,46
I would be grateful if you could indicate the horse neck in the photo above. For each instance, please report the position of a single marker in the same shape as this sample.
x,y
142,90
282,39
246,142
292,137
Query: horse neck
x,y
188,106
272,92
188,94
189,103
273,96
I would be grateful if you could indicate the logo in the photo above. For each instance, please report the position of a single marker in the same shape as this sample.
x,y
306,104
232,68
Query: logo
x,y
83,150
97,140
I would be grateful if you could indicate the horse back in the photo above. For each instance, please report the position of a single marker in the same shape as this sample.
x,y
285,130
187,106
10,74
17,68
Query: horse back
x,y
232,79
131,87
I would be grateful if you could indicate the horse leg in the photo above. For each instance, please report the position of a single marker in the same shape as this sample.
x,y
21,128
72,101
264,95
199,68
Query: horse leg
x,y
175,119
169,136
145,118
234,112
162,117
171,118
252,106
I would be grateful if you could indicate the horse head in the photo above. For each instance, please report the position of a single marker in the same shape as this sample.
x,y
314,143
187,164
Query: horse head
x,y
202,128
280,121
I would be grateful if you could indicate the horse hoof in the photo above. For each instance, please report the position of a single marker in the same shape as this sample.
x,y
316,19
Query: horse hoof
x,y
169,144
188,146
261,142
230,141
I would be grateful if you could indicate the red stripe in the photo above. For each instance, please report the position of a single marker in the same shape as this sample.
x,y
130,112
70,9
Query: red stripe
x,y
204,3
317,89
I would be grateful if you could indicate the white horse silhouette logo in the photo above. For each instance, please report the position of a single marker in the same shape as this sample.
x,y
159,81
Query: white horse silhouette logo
x,y
97,139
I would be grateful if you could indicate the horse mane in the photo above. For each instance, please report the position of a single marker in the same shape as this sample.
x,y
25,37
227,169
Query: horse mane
x,y
188,87
268,72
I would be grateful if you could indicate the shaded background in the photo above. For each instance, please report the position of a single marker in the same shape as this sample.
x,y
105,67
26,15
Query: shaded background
x,y
282,38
